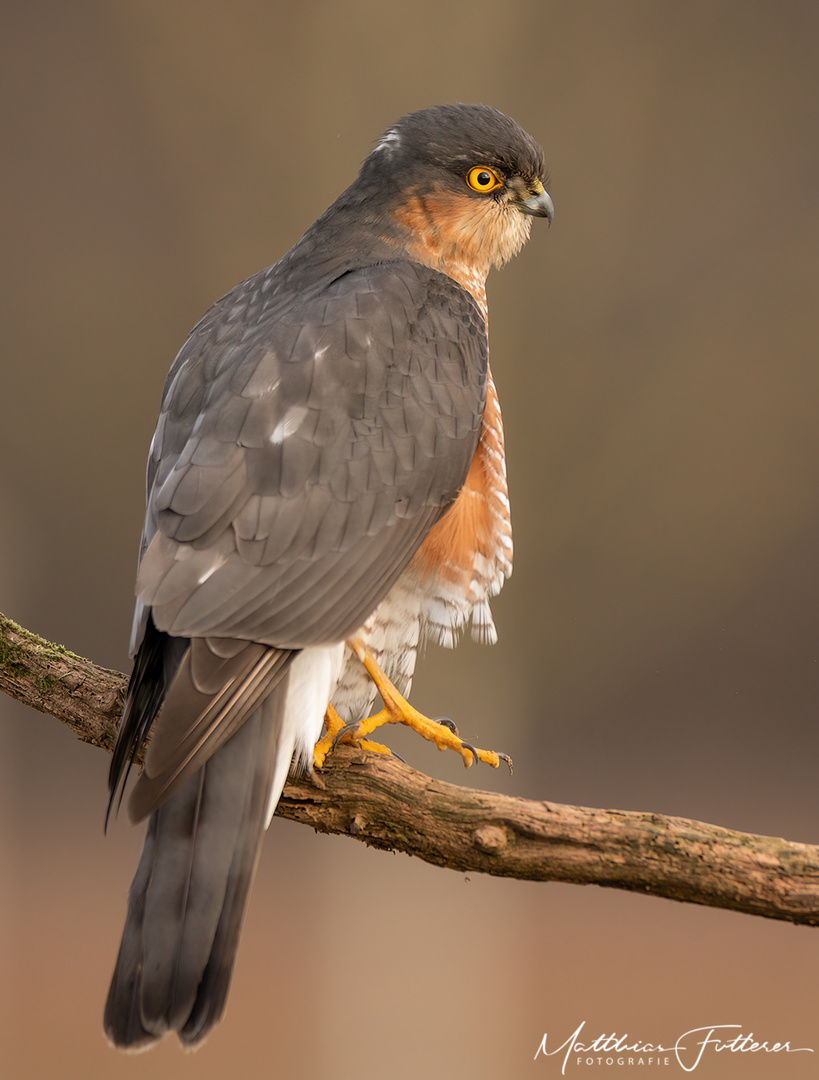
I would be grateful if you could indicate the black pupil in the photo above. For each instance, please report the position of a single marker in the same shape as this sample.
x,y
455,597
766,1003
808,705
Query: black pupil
x,y
484,179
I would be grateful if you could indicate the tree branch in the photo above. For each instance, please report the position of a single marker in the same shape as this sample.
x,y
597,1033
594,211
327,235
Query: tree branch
x,y
386,804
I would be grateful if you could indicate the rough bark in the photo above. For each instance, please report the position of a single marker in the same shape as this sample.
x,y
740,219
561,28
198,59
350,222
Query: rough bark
x,y
385,803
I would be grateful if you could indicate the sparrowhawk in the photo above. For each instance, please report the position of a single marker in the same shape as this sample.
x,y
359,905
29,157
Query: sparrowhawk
x,y
326,489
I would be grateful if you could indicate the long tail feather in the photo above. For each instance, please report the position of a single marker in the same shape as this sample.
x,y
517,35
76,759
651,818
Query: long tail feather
x,y
188,898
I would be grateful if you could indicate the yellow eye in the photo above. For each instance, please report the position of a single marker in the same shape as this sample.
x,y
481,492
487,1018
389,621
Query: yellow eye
x,y
483,179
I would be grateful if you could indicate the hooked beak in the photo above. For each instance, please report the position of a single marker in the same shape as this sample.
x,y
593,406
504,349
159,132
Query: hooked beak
x,y
538,205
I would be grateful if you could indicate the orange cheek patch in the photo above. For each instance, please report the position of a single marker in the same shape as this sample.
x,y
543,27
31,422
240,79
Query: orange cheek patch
x,y
452,233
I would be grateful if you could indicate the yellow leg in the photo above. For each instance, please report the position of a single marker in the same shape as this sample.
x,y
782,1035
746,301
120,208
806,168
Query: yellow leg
x,y
397,710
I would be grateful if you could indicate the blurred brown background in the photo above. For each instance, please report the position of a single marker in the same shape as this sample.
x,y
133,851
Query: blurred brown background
x,y
657,363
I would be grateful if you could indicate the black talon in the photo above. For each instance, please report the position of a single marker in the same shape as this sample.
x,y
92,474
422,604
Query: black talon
x,y
444,721
352,726
470,747
508,760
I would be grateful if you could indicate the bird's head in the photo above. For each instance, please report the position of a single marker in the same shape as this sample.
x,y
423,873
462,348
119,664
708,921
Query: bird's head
x,y
461,184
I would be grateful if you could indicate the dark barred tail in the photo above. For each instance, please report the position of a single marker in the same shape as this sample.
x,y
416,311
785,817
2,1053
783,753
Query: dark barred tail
x,y
190,892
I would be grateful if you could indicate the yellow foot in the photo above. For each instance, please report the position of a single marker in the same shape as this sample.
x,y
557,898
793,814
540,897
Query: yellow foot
x,y
397,710
338,731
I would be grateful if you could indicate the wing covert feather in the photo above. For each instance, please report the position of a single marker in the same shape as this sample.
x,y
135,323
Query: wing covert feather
x,y
303,465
